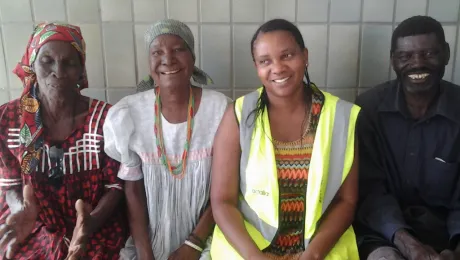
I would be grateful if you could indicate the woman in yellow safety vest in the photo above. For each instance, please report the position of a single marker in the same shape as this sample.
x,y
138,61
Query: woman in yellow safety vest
x,y
284,173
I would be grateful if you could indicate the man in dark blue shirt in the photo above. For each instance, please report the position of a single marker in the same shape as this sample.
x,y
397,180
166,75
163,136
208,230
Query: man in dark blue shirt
x,y
409,142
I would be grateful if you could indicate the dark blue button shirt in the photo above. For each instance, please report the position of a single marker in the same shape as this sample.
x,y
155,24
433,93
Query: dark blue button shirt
x,y
406,162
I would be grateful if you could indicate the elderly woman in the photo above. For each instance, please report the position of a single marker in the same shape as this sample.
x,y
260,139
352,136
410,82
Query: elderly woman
x,y
165,147
60,189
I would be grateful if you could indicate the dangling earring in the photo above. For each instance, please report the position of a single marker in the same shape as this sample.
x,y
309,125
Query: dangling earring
x,y
78,86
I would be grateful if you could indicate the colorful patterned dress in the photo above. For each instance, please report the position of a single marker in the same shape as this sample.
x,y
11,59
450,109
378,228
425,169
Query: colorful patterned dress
x,y
293,163
88,174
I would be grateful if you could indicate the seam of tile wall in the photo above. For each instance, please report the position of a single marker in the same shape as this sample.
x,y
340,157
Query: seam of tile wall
x,y
7,87
230,87
32,11
257,23
136,68
199,19
453,56
427,8
167,8
66,11
360,44
104,67
232,62
328,37
296,6
393,25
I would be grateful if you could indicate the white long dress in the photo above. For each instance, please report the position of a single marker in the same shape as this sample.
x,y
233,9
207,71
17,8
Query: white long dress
x,y
174,205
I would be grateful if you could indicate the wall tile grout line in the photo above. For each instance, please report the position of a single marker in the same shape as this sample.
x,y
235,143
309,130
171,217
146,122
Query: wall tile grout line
x,y
104,67
427,7
167,8
328,21
136,67
246,23
360,45
328,38
393,26
198,37
296,6
32,12
7,86
456,50
66,12
232,62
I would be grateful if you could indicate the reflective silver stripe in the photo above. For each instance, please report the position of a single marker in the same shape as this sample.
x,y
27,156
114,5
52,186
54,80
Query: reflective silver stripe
x,y
267,231
336,165
246,129
338,152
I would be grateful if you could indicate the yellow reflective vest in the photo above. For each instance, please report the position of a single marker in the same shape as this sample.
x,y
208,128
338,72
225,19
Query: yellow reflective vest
x,y
331,161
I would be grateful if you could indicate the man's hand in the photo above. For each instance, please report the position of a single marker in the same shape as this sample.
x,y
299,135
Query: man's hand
x,y
19,224
81,231
450,255
413,249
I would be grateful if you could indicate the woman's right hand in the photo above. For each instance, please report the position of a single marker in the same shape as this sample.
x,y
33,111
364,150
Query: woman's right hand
x,y
19,224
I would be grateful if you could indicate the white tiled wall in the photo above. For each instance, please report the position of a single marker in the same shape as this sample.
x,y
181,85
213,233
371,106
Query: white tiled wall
x,y
348,40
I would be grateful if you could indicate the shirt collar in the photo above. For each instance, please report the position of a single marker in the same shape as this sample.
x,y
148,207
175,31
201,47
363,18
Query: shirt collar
x,y
447,103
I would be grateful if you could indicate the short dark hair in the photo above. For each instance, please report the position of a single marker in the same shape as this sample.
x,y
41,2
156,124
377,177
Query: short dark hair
x,y
417,25
278,25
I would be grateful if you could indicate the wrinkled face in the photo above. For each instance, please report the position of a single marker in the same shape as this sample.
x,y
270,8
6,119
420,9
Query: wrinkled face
x,y
280,62
419,62
58,67
171,62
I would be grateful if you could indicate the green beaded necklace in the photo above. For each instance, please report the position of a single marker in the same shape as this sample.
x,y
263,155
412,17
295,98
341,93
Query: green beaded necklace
x,y
178,170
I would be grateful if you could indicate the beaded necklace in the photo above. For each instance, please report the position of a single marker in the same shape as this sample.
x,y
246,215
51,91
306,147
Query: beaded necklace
x,y
178,170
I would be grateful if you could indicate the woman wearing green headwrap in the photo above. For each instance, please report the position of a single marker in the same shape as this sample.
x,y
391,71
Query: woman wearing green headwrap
x,y
163,137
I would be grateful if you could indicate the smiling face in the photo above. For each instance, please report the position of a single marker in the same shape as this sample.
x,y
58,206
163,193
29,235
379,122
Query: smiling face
x,y
171,62
280,62
58,67
419,62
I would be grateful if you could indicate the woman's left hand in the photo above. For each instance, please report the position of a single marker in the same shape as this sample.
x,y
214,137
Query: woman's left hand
x,y
185,252
81,231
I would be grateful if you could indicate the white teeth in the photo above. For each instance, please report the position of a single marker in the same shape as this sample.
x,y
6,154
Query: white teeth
x,y
281,80
419,76
170,72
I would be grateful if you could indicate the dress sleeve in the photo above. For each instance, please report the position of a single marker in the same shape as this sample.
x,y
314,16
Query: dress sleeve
x,y
10,169
110,171
118,130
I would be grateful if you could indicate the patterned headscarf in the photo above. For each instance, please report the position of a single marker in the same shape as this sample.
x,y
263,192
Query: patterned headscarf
x,y
174,27
31,136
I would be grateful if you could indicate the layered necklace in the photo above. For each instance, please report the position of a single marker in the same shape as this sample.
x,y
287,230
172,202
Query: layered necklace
x,y
178,170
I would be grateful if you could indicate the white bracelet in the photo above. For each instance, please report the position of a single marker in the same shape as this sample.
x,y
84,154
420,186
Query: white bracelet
x,y
190,244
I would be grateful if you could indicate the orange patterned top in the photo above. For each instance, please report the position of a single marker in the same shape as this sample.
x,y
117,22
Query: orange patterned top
x,y
293,163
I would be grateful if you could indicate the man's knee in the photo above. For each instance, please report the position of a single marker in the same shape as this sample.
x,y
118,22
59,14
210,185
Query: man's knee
x,y
385,253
